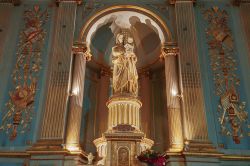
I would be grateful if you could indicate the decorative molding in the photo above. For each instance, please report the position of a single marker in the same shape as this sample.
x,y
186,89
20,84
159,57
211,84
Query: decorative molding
x,y
19,113
172,2
78,2
231,111
199,147
14,154
123,128
83,155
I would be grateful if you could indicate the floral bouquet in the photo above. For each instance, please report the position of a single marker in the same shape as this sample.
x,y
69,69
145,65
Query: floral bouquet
x,y
152,158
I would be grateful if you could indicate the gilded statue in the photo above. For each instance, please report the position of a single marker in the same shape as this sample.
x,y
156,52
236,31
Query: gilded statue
x,y
125,77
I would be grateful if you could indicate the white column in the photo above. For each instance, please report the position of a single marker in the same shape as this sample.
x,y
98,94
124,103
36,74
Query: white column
x,y
81,55
170,52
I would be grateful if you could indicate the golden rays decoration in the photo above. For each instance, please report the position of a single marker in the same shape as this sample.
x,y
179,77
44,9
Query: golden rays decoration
x,y
19,109
231,110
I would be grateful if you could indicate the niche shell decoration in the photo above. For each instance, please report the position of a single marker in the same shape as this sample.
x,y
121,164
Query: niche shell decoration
x,y
231,111
19,109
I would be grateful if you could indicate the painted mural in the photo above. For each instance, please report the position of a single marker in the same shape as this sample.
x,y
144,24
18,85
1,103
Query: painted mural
x,y
19,110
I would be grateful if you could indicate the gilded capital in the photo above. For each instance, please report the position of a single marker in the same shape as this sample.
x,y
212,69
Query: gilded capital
x,y
169,50
82,49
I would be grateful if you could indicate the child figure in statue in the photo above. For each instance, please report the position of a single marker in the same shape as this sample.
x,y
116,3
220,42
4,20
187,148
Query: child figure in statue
x,y
131,62
125,77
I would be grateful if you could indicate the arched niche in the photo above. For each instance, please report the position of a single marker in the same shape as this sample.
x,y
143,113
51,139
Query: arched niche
x,y
127,16
88,26
87,31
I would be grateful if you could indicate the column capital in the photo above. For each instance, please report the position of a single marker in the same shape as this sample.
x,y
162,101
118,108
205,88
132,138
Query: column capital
x,y
172,2
78,2
169,49
80,48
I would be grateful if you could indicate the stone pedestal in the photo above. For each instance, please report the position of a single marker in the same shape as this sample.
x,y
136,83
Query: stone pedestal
x,y
120,148
123,140
124,110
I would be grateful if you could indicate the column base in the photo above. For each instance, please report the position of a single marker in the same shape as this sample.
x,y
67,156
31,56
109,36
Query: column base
x,y
57,159
179,159
53,152
48,146
175,159
200,148
194,153
175,148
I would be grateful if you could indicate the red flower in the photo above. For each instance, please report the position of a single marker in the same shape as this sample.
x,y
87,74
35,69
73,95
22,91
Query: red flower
x,y
152,158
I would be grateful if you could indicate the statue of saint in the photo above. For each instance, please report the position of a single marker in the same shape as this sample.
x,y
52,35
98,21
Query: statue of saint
x,y
125,77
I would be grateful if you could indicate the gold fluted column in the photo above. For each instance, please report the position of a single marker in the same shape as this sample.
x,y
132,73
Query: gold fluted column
x,y
81,55
169,53
58,84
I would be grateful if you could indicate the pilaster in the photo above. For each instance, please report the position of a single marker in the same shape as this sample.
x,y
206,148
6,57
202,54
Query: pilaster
x,y
59,76
194,119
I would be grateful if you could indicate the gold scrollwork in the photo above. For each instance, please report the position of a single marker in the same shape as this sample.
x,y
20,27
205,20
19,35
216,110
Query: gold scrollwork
x,y
18,116
231,111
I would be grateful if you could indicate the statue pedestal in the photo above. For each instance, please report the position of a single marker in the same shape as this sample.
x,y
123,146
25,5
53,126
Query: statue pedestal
x,y
123,140
121,148
124,110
